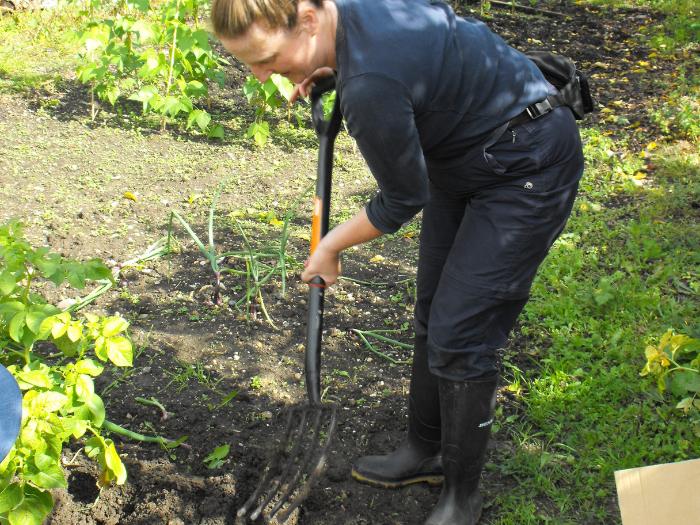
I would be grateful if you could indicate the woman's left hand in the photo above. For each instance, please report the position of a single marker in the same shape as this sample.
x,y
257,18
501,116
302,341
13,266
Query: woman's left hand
x,y
324,263
303,89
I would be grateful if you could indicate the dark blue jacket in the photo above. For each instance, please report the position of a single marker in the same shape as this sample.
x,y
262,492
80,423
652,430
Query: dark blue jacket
x,y
417,82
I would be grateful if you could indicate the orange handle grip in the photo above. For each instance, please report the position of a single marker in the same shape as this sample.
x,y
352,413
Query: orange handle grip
x,y
316,223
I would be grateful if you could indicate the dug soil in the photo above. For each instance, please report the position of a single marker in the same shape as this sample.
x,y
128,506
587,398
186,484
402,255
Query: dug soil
x,y
224,374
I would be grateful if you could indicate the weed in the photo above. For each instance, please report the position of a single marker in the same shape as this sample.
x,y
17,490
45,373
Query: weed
x,y
224,401
217,457
677,114
187,372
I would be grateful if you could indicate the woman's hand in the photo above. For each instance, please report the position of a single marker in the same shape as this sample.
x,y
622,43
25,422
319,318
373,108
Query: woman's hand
x,y
304,89
323,262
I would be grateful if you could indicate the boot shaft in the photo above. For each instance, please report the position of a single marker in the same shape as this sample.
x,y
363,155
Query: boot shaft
x,y
467,409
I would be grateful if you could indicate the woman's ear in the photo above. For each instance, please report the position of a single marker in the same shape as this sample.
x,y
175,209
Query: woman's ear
x,y
307,17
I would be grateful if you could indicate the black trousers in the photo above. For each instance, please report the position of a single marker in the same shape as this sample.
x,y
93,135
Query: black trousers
x,y
493,214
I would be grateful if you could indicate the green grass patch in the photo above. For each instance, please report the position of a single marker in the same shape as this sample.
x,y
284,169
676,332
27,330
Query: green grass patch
x,y
679,29
625,271
38,48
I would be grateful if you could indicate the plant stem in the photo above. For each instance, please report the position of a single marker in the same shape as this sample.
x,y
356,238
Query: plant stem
x,y
172,61
371,348
154,403
375,334
113,427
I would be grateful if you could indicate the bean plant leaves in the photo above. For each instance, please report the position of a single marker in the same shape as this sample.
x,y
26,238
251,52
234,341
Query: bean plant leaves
x,y
200,117
101,348
260,132
93,446
74,331
144,95
144,30
202,39
11,308
96,270
284,86
195,88
172,106
250,88
217,132
141,5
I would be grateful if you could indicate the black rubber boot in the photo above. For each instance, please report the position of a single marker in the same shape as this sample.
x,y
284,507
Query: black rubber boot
x,y
467,414
417,459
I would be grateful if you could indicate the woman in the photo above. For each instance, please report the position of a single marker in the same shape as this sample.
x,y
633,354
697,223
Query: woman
x,y
452,121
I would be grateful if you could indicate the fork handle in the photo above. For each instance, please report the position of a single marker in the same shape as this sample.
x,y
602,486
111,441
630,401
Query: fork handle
x,y
327,130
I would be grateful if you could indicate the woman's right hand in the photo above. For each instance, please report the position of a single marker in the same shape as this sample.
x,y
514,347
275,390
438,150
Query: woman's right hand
x,y
304,89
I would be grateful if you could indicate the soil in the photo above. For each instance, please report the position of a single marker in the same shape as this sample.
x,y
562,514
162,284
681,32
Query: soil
x,y
66,179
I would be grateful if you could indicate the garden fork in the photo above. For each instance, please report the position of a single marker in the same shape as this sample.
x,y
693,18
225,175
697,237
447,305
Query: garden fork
x,y
301,456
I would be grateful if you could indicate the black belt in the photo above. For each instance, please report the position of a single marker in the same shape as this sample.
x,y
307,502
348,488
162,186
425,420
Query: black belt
x,y
533,112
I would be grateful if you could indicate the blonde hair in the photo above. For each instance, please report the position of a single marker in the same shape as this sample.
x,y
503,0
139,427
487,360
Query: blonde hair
x,y
232,18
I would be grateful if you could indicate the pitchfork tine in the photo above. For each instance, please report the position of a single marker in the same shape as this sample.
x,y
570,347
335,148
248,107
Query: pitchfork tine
x,y
291,484
268,471
306,488
277,482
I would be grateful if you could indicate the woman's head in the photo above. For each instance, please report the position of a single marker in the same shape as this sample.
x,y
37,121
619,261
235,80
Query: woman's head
x,y
289,37
233,18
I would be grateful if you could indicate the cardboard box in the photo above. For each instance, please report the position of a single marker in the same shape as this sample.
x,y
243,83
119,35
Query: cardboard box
x,y
667,494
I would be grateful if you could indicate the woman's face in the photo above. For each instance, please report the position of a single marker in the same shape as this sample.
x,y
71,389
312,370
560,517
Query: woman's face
x,y
291,53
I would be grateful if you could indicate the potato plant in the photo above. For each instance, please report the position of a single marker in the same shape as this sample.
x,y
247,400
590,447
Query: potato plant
x,y
54,357
675,364
159,57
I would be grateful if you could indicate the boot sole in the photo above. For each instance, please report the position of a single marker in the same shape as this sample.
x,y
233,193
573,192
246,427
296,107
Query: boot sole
x,y
434,480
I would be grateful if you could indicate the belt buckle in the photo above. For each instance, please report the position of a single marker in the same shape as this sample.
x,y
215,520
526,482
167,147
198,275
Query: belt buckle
x,y
531,113
534,112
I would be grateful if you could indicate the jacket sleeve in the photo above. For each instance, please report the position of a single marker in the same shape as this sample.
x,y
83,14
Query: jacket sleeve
x,y
379,116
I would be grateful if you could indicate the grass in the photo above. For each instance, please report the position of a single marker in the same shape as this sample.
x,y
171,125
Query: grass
x,y
626,270
46,36
679,29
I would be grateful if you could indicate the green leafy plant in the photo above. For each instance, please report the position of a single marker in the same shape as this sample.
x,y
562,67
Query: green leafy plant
x,y
54,357
260,264
677,115
675,364
155,57
217,457
265,97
